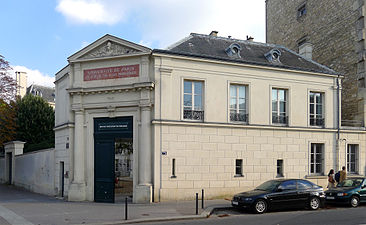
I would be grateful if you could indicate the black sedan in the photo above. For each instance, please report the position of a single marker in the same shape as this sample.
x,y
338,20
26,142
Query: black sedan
x,y
351,191
281,193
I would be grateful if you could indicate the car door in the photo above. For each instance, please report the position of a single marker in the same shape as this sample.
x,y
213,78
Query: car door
x,y
304,189
363,191
285,196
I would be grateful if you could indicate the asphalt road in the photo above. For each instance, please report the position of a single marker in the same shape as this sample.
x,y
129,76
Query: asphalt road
x,y
331,216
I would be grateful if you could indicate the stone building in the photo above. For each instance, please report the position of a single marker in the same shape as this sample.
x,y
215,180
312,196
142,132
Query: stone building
x,y
209,112
47,93
331,32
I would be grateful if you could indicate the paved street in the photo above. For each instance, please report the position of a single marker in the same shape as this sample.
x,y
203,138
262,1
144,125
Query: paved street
x,y
332,216
20,207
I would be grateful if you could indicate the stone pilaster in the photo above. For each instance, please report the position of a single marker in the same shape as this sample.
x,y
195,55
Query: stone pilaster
x,y
144,187
77,187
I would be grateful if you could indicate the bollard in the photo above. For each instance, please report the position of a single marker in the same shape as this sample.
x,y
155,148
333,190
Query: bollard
x,y
126,208
196,203
203,196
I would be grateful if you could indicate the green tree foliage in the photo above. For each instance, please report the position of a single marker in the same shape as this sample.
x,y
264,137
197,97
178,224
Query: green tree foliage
x,y
7,122
35,123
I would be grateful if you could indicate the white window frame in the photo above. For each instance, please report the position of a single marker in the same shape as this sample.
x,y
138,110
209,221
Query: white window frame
x,y
237,109
322,95
356,171
192,96
313,165
287,94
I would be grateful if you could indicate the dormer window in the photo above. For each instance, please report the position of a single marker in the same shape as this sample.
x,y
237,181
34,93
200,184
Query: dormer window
x,y
273,56
233,50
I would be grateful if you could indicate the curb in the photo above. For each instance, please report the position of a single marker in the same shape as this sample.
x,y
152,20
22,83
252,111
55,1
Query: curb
x,y
205,214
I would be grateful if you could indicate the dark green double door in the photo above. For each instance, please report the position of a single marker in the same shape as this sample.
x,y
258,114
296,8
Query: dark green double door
x,y
106,130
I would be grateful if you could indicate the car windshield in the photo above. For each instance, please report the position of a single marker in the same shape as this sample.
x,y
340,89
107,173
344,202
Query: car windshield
x,y
268,185
350,183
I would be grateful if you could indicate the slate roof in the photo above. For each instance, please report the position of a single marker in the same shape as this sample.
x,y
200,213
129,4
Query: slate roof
x,y
46,93
213,47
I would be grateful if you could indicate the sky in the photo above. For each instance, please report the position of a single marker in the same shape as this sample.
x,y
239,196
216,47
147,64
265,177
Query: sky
x,y
37,36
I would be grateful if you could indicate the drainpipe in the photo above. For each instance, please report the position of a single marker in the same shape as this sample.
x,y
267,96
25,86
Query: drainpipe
x,y
338,127
338,120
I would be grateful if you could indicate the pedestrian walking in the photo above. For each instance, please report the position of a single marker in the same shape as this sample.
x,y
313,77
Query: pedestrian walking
x,y
331,180
343,174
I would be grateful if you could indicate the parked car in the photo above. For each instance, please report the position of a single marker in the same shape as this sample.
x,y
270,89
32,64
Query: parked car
x,y
351,191
281,193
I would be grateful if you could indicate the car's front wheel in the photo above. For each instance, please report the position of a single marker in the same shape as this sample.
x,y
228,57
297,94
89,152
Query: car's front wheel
x,y
260,206
314,203
354,201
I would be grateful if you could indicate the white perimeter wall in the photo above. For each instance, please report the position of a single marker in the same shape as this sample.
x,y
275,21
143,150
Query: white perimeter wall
x,y
35,171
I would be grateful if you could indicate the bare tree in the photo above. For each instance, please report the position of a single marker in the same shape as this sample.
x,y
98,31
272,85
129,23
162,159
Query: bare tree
x,y
8,86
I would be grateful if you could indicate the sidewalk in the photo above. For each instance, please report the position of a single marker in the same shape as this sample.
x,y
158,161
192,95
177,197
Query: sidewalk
x,y
40,209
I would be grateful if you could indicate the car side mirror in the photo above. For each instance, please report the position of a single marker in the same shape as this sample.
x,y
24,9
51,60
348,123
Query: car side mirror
x,y
279,189
363,186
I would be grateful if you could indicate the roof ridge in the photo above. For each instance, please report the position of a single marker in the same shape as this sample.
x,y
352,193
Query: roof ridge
x,y
238,40
179,42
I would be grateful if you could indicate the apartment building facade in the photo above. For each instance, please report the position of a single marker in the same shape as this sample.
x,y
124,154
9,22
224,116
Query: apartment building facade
x,y
212,113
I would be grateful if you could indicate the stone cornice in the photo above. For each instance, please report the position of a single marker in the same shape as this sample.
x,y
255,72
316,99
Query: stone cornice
x,y
251,126
64,125
112,89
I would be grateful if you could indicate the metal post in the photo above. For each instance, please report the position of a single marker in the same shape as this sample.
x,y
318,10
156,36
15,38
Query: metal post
x,y
126,208
203,196
196,203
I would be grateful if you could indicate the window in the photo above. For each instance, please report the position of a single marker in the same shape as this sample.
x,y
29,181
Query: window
x,y
303,184
279,168
239,168
193,100
316,109
279,108
352,158
173,169
288,185
316,159
301,11
238,103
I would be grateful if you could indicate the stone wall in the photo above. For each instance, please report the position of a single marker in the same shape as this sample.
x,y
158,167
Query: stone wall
x,y
329,25
35,171
63,141
2,170
205,157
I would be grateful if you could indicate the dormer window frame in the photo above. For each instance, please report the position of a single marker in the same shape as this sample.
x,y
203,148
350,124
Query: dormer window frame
x,y
233,50
273,56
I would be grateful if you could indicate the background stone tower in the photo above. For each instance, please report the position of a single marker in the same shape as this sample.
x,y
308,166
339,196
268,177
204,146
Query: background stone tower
x,y
332,33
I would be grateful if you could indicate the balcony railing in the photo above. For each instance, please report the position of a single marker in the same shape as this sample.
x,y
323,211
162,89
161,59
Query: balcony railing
x,y
317,121
279,119
352,123
240,117
193,115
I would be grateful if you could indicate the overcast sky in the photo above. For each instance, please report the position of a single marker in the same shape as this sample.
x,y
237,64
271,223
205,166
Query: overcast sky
x,y
38,36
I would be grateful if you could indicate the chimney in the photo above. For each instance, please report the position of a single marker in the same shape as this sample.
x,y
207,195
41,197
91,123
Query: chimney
x,y
21,79
214,33
250,38
306,50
